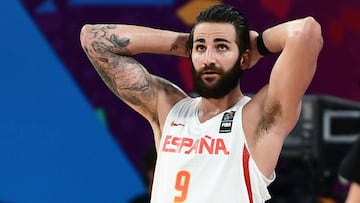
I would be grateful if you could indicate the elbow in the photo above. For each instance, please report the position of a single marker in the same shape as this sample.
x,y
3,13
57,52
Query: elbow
x,y
314,33
311,33
84,35
306,34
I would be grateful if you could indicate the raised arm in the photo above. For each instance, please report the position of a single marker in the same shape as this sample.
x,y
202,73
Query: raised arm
x,y
110,47
300,42
278,104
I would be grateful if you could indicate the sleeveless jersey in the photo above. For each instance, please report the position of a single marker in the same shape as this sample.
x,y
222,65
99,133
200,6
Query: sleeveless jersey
x,y
206,162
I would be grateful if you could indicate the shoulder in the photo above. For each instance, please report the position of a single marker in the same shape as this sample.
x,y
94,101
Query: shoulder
x,y
185,105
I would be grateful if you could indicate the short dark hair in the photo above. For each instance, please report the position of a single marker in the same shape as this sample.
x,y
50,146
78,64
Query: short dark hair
x,y
224,14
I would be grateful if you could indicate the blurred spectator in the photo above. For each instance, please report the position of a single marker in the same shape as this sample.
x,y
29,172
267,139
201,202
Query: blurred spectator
x,y
147,173
350,170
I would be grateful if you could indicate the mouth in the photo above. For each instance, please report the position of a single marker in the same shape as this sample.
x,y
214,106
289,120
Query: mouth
x,y
206,72
209,75
210,72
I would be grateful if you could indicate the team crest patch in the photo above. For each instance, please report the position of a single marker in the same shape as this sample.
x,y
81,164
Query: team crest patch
x,y
226,122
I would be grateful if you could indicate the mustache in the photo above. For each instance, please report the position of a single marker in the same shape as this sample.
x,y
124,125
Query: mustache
x,y
212,68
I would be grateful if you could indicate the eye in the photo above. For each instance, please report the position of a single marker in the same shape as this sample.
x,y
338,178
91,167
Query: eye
x,y
222,47
200,48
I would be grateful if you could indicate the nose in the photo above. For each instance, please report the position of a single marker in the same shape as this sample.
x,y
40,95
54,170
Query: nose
x,y
209,59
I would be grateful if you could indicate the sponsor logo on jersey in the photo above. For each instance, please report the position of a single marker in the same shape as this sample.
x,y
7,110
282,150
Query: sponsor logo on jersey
x,y
176,124
187,145
226,122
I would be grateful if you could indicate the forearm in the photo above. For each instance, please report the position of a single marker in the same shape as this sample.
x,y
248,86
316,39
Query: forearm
x,y
297,36
305,32
131,39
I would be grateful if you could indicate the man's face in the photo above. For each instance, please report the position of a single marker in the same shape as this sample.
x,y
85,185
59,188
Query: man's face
x,y
215,59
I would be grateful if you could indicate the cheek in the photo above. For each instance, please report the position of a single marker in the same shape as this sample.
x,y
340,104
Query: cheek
x,y
230,60
196,61
229,65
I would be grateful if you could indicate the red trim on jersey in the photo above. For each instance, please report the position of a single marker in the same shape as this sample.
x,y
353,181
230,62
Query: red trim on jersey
x,y
246,157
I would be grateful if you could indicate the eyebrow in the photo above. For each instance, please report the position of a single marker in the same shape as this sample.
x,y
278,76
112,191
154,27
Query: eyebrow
x,y
221,40
202,40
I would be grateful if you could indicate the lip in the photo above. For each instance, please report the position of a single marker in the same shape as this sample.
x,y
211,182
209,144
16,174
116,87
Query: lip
x,y
209,76
209,72
212,74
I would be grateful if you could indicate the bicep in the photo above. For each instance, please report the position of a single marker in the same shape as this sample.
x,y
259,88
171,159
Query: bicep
x,y
290,77
149,95
129,81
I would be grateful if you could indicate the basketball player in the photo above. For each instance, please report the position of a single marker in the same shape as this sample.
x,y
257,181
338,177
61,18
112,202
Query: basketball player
x,y
222,146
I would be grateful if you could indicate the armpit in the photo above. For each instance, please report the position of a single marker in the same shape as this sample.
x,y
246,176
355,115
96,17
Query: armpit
x,y
268,118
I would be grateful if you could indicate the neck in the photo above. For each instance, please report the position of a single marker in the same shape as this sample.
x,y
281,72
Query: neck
x,y
210,107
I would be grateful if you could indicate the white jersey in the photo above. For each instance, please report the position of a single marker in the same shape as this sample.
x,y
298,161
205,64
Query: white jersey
x,y
206,162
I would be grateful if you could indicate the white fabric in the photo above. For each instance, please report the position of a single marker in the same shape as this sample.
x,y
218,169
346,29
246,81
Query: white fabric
x,y
198,164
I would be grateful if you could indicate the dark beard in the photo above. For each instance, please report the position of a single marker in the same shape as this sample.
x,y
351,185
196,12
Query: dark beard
x,y
228,81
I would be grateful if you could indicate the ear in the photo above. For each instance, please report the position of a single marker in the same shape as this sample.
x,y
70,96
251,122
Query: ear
x,y
245,60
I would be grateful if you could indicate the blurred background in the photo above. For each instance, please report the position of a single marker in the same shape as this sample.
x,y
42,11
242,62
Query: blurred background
x,y
64,137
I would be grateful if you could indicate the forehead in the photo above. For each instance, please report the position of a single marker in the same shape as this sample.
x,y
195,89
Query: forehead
x,y
215,30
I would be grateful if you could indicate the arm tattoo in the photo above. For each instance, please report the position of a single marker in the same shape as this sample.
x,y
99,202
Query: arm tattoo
x,y
174,47
127,78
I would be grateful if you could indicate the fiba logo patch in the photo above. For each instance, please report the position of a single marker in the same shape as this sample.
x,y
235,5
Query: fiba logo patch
x,y
226,122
